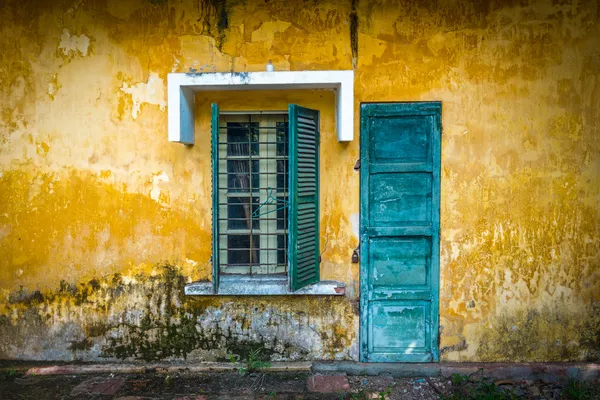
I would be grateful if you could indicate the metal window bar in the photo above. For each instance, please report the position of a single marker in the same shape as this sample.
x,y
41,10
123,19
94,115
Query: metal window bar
x,y
254,168
247,232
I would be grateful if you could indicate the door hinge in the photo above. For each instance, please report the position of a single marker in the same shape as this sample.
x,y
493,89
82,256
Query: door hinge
x,y
357,165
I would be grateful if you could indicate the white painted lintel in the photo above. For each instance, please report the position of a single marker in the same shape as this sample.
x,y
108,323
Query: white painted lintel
x,y
182,86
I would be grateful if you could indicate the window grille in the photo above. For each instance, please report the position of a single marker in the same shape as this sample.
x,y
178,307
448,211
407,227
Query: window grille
x,y
253,194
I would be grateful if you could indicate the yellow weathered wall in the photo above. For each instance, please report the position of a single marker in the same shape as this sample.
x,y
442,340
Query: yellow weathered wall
x,y
102,221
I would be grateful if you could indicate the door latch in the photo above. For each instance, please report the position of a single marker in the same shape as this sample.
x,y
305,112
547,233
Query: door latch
x,y
356,255
357,165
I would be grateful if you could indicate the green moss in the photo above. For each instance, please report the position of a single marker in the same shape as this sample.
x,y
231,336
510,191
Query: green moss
x,y
96,330
590,332
542,335
154,340
84,344
174,333
28,299
162,323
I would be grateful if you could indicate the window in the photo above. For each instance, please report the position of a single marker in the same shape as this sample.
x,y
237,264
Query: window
x,y
265,195
253,194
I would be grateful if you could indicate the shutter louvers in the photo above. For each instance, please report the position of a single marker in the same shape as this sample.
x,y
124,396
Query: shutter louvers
x,y
215,196
303,229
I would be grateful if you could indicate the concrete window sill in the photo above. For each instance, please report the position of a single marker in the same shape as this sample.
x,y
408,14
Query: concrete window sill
x,y
263,286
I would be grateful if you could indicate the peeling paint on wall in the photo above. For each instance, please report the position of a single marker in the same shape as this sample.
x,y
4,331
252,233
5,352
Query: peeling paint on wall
x,y
155,193
73,43
152,92
355,221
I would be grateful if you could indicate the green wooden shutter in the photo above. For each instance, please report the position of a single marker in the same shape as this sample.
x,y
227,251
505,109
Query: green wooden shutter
x,y
215,196
303,217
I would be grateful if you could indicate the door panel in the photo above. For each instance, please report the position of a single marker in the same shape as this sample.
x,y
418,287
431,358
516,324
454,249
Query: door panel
x,y
412,134
400,198
400,262
392,317
400,188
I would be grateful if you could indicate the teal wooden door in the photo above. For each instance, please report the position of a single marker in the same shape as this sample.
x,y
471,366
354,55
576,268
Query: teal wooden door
x,y
399,213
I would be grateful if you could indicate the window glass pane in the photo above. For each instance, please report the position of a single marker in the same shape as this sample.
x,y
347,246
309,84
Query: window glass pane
x,y
282,139
282,214
282,151
243,249
242,137
282,249
253,225
239,212
282,175
238,175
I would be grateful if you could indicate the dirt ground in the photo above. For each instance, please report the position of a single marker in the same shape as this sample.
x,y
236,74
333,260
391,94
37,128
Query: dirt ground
x,y
277,386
